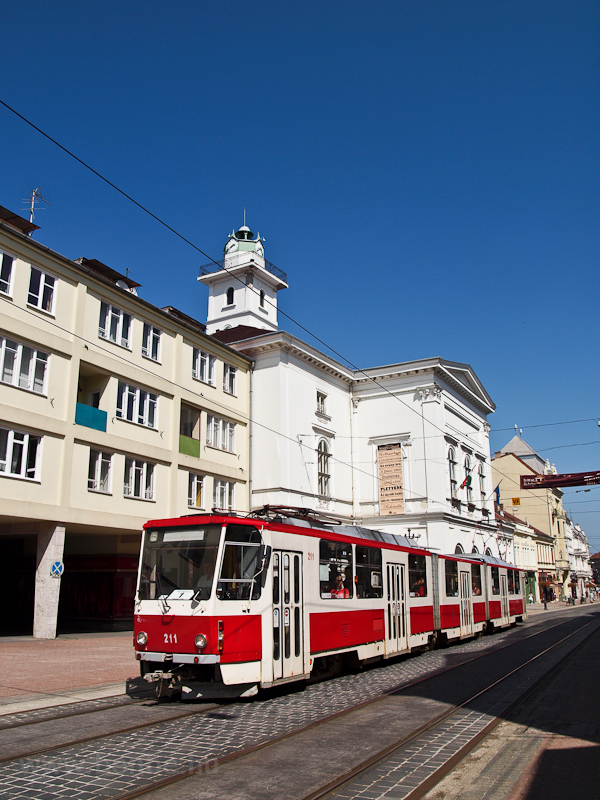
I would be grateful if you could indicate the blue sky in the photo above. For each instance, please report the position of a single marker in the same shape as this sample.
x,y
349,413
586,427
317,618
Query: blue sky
x,y
426,173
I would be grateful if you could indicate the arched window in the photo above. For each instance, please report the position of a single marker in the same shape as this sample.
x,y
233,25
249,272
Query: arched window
x,y
482,482
488,552
452,464
262,298
474,549
323,468
468,479
230,296
458,549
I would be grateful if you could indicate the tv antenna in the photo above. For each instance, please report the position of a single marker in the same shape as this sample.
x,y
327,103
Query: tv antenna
x,y
34,196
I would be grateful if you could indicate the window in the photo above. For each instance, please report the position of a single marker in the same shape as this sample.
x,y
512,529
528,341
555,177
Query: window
x,y
510,575
6,263
220,433
114,325
99,471
468,480
19,454
136,405
368,572
459,548
22,366
323,468
417,576
230,296
223,495
203,367
229,378
189,423
151,342
495,580
240,565
139,479
481,471
451,578
476,579
335,570
262,298
41,290
195,490
321,403
452,463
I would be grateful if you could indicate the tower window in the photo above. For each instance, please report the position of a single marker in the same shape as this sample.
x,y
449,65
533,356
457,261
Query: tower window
x,y
262,298
230,296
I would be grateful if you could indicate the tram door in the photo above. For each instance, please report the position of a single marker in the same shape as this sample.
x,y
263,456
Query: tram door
x,y
396,609
466,608
504,598
288,634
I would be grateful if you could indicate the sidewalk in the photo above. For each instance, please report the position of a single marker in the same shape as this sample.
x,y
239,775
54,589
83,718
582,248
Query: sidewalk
x,y
558,605
37,673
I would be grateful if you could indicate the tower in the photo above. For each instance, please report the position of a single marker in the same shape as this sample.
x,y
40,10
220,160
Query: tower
x,y
244,290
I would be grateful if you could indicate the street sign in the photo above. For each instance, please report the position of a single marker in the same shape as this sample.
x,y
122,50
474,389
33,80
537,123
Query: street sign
x,y
57,569
568,479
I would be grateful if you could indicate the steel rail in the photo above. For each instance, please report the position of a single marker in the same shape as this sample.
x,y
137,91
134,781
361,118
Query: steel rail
x,y
381,755
205,709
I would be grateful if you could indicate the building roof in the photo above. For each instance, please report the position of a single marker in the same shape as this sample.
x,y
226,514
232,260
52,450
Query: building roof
x,y
239,334
17,222
518,447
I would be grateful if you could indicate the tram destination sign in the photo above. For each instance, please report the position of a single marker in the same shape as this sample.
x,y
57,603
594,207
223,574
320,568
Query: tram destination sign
x,y
567,479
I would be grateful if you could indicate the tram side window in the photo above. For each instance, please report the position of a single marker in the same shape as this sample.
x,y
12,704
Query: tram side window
x,y
417,576
335,570
495,581
240,564
368,572
451,579
510,575
476,580
517,583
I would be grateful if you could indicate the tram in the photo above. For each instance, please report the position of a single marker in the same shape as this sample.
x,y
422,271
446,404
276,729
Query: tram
x,y
228,604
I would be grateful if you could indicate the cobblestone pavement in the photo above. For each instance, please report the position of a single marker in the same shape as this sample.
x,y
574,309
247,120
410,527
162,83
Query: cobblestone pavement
x,y
107,768
398,776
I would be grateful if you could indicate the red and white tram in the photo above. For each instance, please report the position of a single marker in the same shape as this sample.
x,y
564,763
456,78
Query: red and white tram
x,y
227,604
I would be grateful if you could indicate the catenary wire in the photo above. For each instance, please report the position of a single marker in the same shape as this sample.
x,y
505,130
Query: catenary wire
x,y
199,250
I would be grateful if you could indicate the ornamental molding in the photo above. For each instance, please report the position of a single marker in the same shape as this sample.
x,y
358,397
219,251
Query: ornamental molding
x,y
429,393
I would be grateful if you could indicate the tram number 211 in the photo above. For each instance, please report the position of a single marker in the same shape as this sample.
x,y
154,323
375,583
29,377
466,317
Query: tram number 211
x,y
170,638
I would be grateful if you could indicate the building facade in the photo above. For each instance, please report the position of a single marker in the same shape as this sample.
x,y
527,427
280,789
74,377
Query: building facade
x,y
113,412
402,448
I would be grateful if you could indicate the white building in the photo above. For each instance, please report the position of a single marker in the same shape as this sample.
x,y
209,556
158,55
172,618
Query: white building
x,y
402,448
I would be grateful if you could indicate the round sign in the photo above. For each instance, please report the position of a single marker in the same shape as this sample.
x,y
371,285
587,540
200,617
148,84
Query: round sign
x,y
57,569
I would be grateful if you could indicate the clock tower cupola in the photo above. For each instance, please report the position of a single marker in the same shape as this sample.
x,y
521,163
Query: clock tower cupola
x,y
243,286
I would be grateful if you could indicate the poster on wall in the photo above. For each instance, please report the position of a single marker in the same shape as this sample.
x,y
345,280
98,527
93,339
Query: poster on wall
x,y
391,491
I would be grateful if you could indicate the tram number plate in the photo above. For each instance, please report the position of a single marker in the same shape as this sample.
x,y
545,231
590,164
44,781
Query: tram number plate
x,y
286,617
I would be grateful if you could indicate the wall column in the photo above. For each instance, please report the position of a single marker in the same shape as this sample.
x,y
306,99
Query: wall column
x,y
50,548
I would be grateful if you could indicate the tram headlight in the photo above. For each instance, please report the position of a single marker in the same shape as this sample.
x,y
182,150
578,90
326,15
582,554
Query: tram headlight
x,y
200,641
141,638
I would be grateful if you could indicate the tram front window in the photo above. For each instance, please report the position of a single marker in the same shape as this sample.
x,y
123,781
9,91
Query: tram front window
x,y
179,563
239,570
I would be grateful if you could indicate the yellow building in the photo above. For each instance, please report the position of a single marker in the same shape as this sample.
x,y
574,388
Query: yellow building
x,y
540,508
113,412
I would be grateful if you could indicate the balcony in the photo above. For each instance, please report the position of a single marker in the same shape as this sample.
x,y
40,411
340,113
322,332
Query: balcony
x,y
189,446
90,417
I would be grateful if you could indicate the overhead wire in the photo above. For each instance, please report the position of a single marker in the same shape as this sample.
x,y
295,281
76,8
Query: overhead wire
x,y
221,266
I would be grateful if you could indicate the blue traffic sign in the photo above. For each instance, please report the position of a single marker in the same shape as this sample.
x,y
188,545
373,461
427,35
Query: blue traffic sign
x,y
57,569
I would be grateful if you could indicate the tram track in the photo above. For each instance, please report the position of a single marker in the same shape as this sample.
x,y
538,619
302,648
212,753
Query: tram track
x,y
179,713
329,788
240,713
